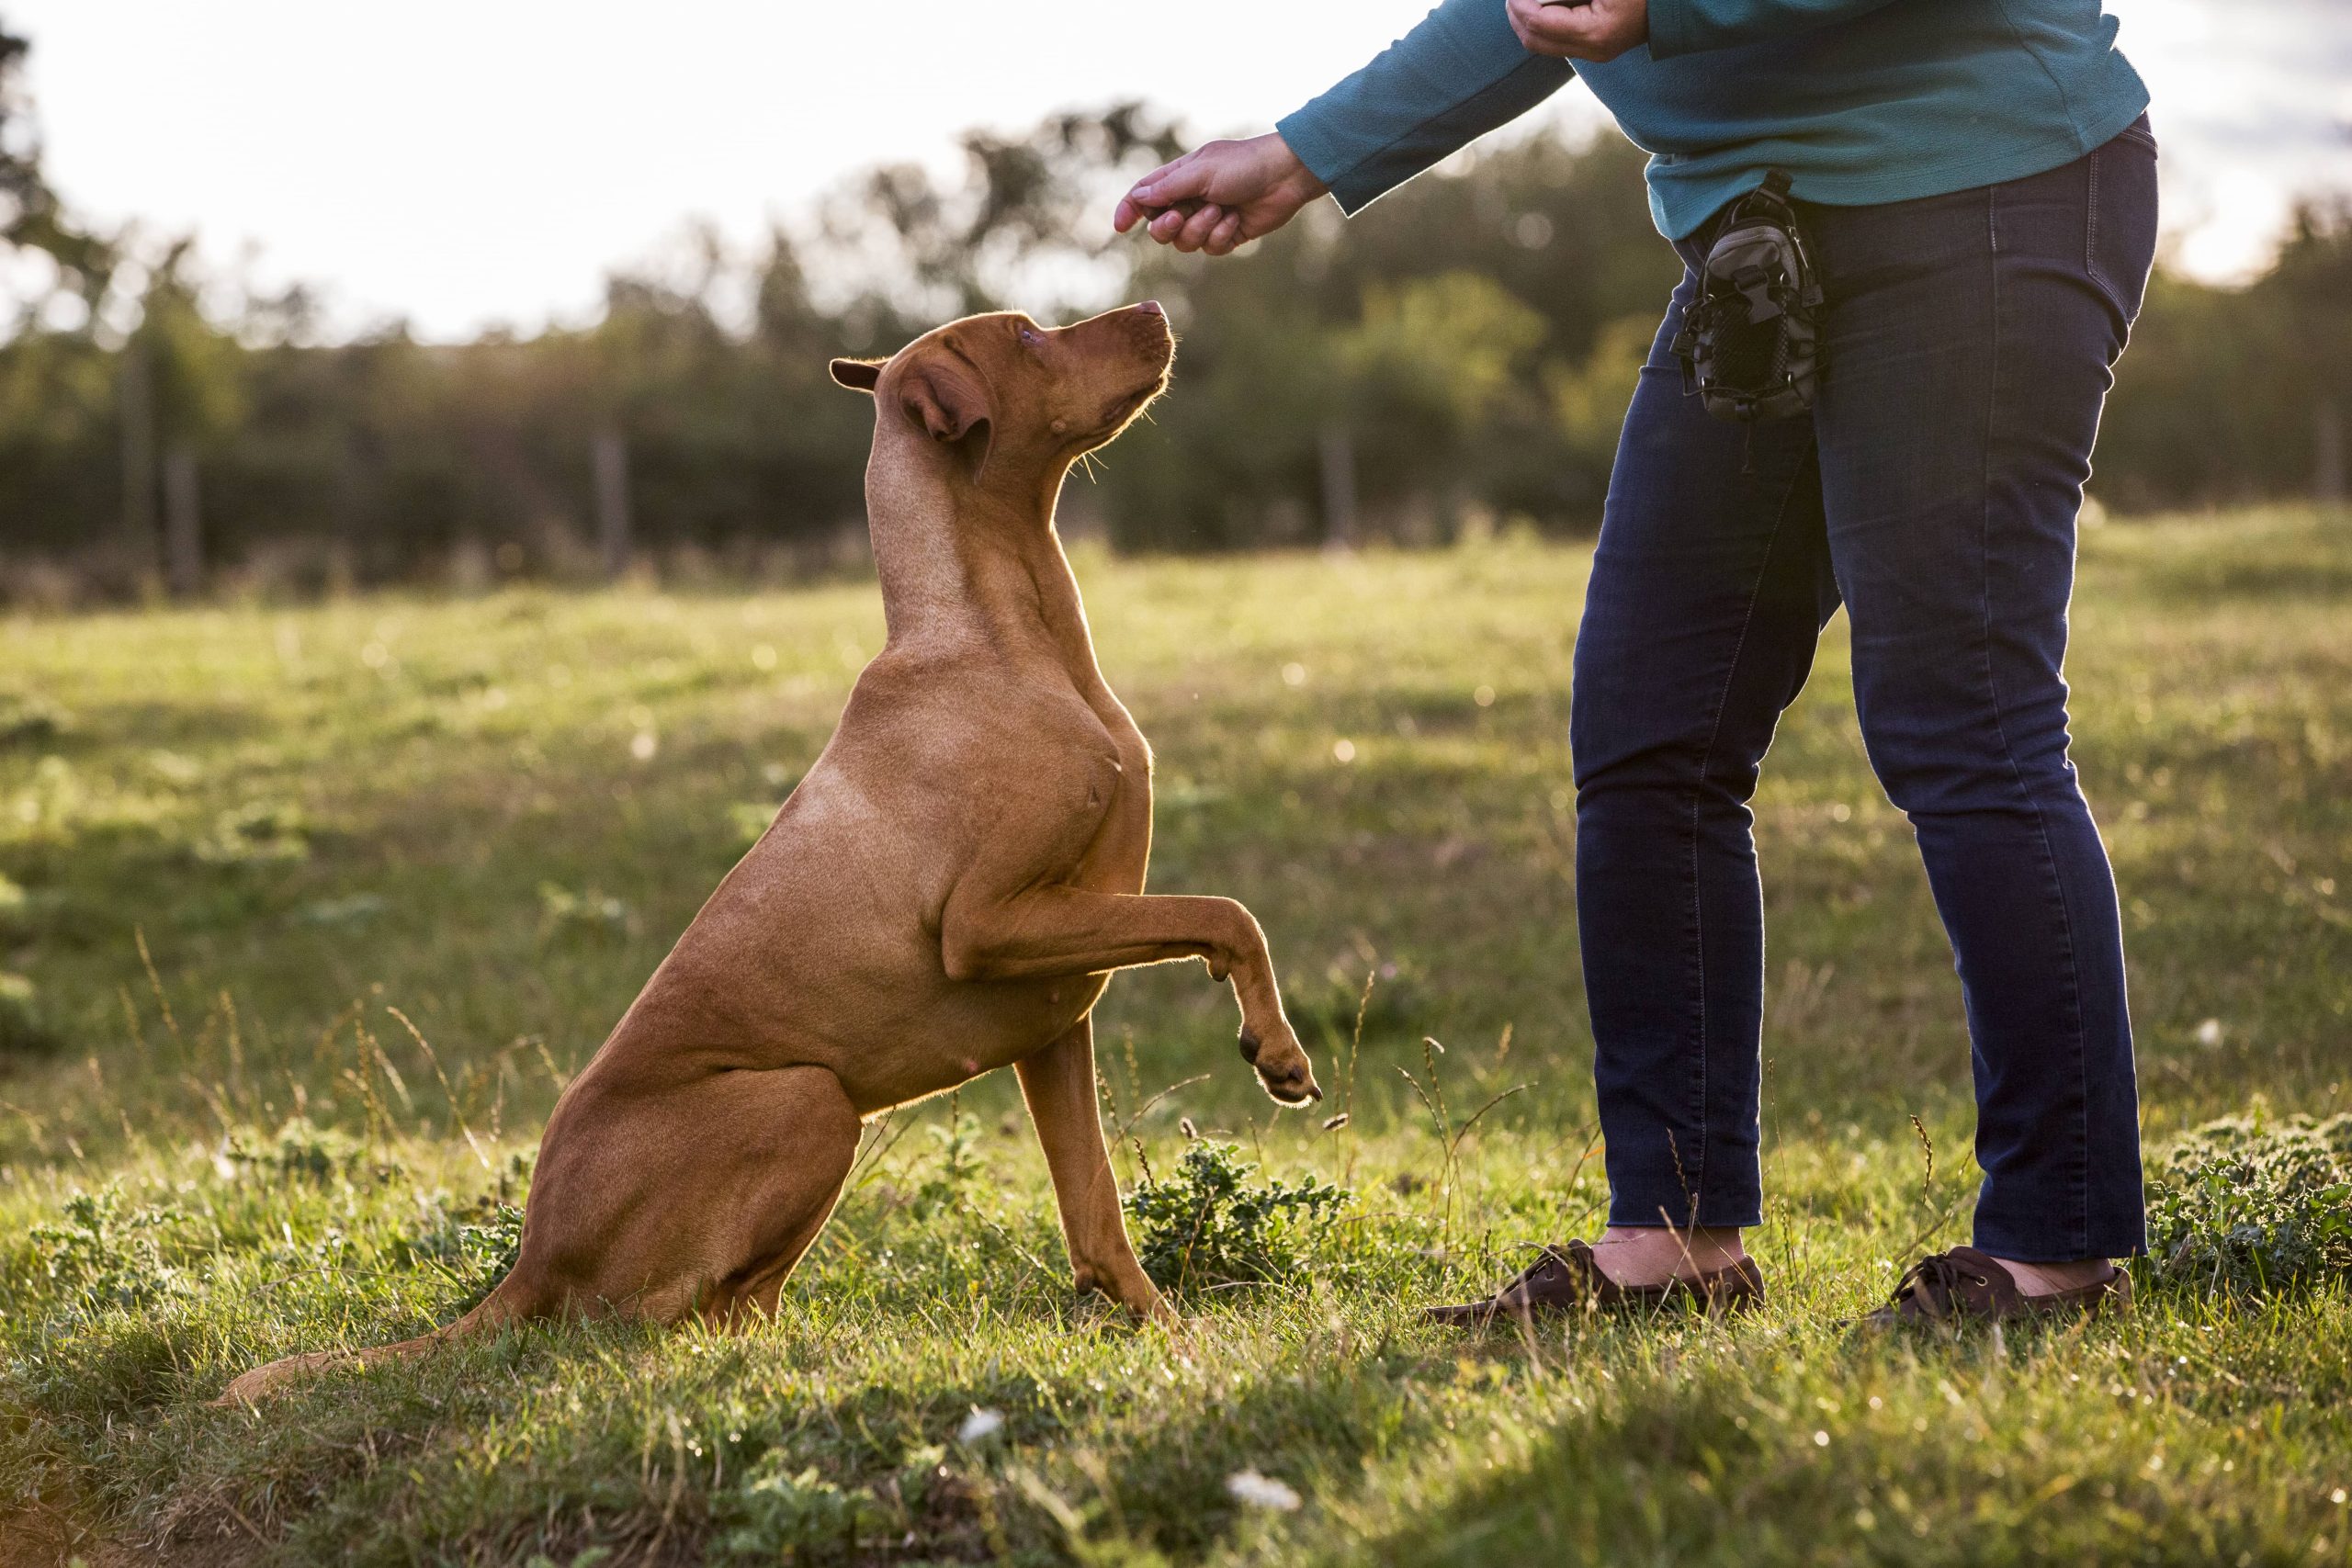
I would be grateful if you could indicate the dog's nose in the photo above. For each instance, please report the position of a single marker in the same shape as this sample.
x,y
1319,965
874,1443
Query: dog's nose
x,y
1151,308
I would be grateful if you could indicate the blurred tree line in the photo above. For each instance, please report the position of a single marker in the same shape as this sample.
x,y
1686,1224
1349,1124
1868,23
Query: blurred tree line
x,y
1459,356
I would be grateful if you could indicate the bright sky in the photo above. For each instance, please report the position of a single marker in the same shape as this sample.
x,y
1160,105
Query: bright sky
x,y
469,162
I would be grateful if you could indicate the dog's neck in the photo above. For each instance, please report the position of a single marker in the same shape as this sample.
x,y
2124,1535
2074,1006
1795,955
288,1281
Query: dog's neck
x,y
960,562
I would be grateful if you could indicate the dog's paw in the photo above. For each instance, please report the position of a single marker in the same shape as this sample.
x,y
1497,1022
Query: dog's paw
x,y
1282,1066
1139,1299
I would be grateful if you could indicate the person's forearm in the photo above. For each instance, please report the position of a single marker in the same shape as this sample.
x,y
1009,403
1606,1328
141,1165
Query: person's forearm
x,y
1689,27
1457,76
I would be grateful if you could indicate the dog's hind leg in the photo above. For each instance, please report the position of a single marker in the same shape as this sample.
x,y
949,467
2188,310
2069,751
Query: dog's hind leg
x,y
1058,1083
694,1200
812,1130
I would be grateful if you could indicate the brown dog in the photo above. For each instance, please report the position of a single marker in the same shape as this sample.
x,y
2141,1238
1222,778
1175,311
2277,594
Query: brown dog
x,y
945,894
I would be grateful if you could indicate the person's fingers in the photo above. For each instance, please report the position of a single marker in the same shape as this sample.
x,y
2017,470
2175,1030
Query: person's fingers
x,y
1158,173
1199,227
1529,20
1139,205
1225,236
1160,224
1168,227
1550,27
1554,29
1569,32
1184,180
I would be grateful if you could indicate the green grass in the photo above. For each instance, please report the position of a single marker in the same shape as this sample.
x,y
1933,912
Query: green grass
x,y
398,863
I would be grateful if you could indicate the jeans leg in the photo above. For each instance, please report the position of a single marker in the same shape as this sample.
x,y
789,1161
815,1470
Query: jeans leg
x,y
1709,589
1970,343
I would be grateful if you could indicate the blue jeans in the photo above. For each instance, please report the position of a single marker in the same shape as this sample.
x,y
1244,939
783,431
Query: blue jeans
x,y
1932,492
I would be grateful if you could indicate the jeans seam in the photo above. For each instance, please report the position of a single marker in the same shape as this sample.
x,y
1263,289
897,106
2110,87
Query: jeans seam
x,y
2090,228
1696,1197
1991,685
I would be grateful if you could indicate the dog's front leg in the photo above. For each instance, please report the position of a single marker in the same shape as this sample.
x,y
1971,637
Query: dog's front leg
x,y
1049,931
1058,1083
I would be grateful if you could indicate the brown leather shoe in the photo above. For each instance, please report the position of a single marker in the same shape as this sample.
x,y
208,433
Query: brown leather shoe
x,y
1968,1286
1569,1279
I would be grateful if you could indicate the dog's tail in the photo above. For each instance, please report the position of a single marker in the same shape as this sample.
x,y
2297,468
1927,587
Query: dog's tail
x,y
510,1303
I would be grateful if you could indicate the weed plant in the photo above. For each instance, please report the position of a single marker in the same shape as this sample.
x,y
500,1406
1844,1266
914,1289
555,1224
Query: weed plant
x,y
1210,1225
2253,1204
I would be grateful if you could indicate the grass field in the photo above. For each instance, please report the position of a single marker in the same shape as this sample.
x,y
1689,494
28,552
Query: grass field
x,y
314,911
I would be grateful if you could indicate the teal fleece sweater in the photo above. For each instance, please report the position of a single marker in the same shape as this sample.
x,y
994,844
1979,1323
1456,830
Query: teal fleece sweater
x,y
1861,101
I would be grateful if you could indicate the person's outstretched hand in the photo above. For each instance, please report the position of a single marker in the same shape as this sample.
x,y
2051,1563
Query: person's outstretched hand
x,y
1580,29
1220,195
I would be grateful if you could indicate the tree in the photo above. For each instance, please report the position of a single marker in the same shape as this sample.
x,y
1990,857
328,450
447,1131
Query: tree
x,y
1025,227
1466,347
31,218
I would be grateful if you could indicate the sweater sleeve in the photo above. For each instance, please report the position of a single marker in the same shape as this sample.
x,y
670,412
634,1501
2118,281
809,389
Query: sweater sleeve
x,y
1689,27
1458,74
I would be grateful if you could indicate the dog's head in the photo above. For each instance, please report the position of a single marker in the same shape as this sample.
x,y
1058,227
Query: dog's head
x,y
1000,398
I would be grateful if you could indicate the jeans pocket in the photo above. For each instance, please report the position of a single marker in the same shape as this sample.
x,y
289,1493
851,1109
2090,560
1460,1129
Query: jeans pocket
x,y
2120,222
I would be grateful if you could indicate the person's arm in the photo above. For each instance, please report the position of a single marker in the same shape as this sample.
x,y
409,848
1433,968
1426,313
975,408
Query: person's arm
x,y
1457,76
1689,27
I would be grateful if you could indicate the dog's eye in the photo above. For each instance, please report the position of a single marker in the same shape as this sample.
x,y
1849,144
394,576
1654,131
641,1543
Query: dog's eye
x,y
1032,339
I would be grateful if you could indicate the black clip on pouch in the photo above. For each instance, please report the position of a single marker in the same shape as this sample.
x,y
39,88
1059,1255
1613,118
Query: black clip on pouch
x,y
1750,342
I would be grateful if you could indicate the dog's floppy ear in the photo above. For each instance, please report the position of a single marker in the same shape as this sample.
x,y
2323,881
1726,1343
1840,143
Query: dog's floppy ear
x,y
858,375
950,402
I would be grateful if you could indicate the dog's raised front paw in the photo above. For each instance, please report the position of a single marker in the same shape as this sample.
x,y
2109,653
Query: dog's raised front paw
x,y
1282,1066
